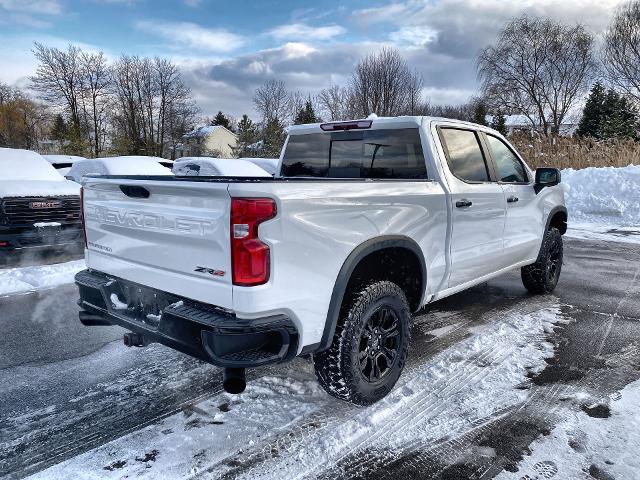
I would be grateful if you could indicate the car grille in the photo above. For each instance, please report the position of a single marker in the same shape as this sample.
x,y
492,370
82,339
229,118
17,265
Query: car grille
x,y
20,211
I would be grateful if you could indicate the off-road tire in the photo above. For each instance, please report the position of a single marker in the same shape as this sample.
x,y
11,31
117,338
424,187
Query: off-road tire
x,y
339,369
542,277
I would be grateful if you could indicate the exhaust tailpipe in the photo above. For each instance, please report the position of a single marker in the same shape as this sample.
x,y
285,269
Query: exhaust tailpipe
x,y
92,320
234,380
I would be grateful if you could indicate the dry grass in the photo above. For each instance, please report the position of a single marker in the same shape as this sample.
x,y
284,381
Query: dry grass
x,y
569,152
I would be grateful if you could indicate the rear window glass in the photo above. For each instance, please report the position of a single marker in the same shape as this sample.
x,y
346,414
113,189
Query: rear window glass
x,y
356,154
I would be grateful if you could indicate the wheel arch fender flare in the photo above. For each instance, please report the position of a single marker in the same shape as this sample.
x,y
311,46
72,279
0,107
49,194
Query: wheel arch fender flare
x,y
552,213
347,269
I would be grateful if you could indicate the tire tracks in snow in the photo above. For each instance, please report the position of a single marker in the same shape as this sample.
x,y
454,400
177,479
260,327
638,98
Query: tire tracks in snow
x,y
303,450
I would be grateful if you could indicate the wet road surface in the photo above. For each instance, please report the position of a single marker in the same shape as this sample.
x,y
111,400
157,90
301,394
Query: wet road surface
x,y
68,389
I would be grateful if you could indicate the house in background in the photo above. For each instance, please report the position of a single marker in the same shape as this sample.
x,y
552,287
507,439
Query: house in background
x,y
520,123
207,141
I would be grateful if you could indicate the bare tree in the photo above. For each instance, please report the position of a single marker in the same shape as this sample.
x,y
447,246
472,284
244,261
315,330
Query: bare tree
x,y
59,79
415,101
272,101
153,107
538,68
622,50
333,102
384,84
176,109
126,116
297,101
96,83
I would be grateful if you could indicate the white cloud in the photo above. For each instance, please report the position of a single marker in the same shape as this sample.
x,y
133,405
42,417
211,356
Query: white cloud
x,y
386,13
447,96
296,50
417,36
302,31
192,3
24,19
192,35
46,7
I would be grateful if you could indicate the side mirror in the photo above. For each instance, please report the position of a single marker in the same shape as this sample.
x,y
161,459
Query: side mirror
x,y
546,177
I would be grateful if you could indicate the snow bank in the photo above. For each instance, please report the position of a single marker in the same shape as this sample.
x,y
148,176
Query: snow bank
x,y
40,277
606,195
217,167
604,447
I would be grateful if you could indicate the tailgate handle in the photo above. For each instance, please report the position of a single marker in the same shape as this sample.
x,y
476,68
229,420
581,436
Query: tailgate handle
x,y
135,191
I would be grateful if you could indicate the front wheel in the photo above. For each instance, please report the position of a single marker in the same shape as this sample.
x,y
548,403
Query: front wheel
x,y
369,346
542,276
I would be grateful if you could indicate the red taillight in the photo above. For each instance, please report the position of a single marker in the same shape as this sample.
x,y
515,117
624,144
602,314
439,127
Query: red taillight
x,y
84,227
355,125
249,256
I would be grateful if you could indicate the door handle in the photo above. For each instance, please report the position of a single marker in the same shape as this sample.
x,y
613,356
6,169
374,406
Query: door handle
x,y
463,203
512,199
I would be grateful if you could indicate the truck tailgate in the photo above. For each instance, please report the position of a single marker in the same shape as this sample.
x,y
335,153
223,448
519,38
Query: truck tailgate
x,y
165,234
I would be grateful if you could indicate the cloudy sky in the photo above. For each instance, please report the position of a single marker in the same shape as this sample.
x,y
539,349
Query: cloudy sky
x,y
226,48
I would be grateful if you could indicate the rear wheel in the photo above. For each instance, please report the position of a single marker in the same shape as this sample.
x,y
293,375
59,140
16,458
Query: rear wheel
x,y
369,346
542,276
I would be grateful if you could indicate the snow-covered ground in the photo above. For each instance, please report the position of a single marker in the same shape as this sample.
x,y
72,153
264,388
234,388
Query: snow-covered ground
x,y
287,427
603,203
597,445
39,277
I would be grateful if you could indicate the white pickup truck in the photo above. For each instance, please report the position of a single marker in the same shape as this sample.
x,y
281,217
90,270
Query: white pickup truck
x,y
365,222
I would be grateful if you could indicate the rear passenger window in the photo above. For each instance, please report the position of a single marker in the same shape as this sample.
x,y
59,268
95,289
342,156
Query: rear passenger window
x,y
465,155
510,168
356,154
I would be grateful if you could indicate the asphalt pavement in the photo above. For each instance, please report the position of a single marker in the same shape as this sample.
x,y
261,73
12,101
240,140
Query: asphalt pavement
x,y
68,389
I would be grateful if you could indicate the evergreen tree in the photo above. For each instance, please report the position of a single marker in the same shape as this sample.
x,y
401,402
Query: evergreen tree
x,y
222,120
499,123
620,119
306,114
480,113
274,137
77,142
59,131
247,135
607,114
593,113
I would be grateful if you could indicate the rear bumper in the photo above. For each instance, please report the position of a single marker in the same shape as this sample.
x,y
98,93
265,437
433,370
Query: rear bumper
x,y
202,331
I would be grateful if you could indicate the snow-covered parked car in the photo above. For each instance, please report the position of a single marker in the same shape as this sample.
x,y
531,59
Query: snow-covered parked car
x,y
131,165
216,167
38,207
365,222
63,163
270,165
